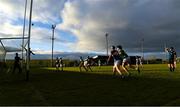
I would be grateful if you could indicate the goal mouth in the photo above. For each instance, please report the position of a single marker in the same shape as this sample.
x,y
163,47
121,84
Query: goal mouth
x,y
12,45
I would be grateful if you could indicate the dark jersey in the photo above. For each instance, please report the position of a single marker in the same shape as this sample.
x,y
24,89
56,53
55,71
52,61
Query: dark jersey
x,y
57,61
81,60
61,61
115,55
123,54
17,60
172,54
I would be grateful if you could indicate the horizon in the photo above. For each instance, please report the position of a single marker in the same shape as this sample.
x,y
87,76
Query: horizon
x,y
76,55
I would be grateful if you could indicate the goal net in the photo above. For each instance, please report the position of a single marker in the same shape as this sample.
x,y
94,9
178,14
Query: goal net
x,y
2,56
2,53
8,48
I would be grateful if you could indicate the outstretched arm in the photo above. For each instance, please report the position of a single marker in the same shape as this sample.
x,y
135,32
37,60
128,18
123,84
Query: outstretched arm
x,y
32,53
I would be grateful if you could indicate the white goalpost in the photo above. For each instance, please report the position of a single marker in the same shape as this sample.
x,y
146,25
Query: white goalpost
x,y
21,44
11,45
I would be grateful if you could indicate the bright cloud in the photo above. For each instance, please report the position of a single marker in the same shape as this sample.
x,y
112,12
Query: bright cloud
x,y
45,13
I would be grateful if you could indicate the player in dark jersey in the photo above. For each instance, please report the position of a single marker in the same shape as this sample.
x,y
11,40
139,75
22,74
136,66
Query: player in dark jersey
x,y
57,64
87,63
61,63
117,61
125,59
81,64
138,63
172,58
17,63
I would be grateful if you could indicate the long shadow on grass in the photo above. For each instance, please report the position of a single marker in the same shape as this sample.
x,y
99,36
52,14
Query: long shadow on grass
x,y
87,88
92,88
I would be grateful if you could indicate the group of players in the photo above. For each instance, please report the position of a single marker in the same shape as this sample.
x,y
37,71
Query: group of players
x,y
86,64
121,59
59,64
119,56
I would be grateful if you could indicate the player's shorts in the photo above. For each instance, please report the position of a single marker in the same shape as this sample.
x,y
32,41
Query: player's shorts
x,y
85,63
171,61
57,65
126,60
117,62
138,61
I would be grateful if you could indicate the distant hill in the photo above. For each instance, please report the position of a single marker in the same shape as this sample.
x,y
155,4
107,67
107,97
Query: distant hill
x,y
64,55
76,55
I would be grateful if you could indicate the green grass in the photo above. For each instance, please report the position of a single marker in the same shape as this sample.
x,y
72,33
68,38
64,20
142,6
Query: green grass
x,y
154,86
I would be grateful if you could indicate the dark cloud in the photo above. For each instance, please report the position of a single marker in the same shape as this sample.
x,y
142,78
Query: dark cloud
x,y
127,22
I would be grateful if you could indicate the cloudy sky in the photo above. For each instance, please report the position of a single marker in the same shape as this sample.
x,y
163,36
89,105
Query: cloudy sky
x,y
81,24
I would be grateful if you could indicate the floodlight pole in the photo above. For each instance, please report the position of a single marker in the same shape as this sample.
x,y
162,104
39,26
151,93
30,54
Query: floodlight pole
x,y
28,45
106,35
24,25
53,28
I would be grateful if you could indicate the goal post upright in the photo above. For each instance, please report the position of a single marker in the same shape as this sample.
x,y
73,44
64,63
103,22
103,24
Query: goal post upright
x,y
28,44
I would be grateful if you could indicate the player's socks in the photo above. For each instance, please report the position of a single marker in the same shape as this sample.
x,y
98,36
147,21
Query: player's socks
x,y
170,69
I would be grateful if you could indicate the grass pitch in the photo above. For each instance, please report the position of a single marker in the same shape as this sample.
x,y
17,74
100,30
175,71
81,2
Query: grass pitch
x,y
154,86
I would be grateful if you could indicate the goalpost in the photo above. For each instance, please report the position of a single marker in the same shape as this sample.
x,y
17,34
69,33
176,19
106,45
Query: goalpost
x,y
9,46
2,52
2,56
4,49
